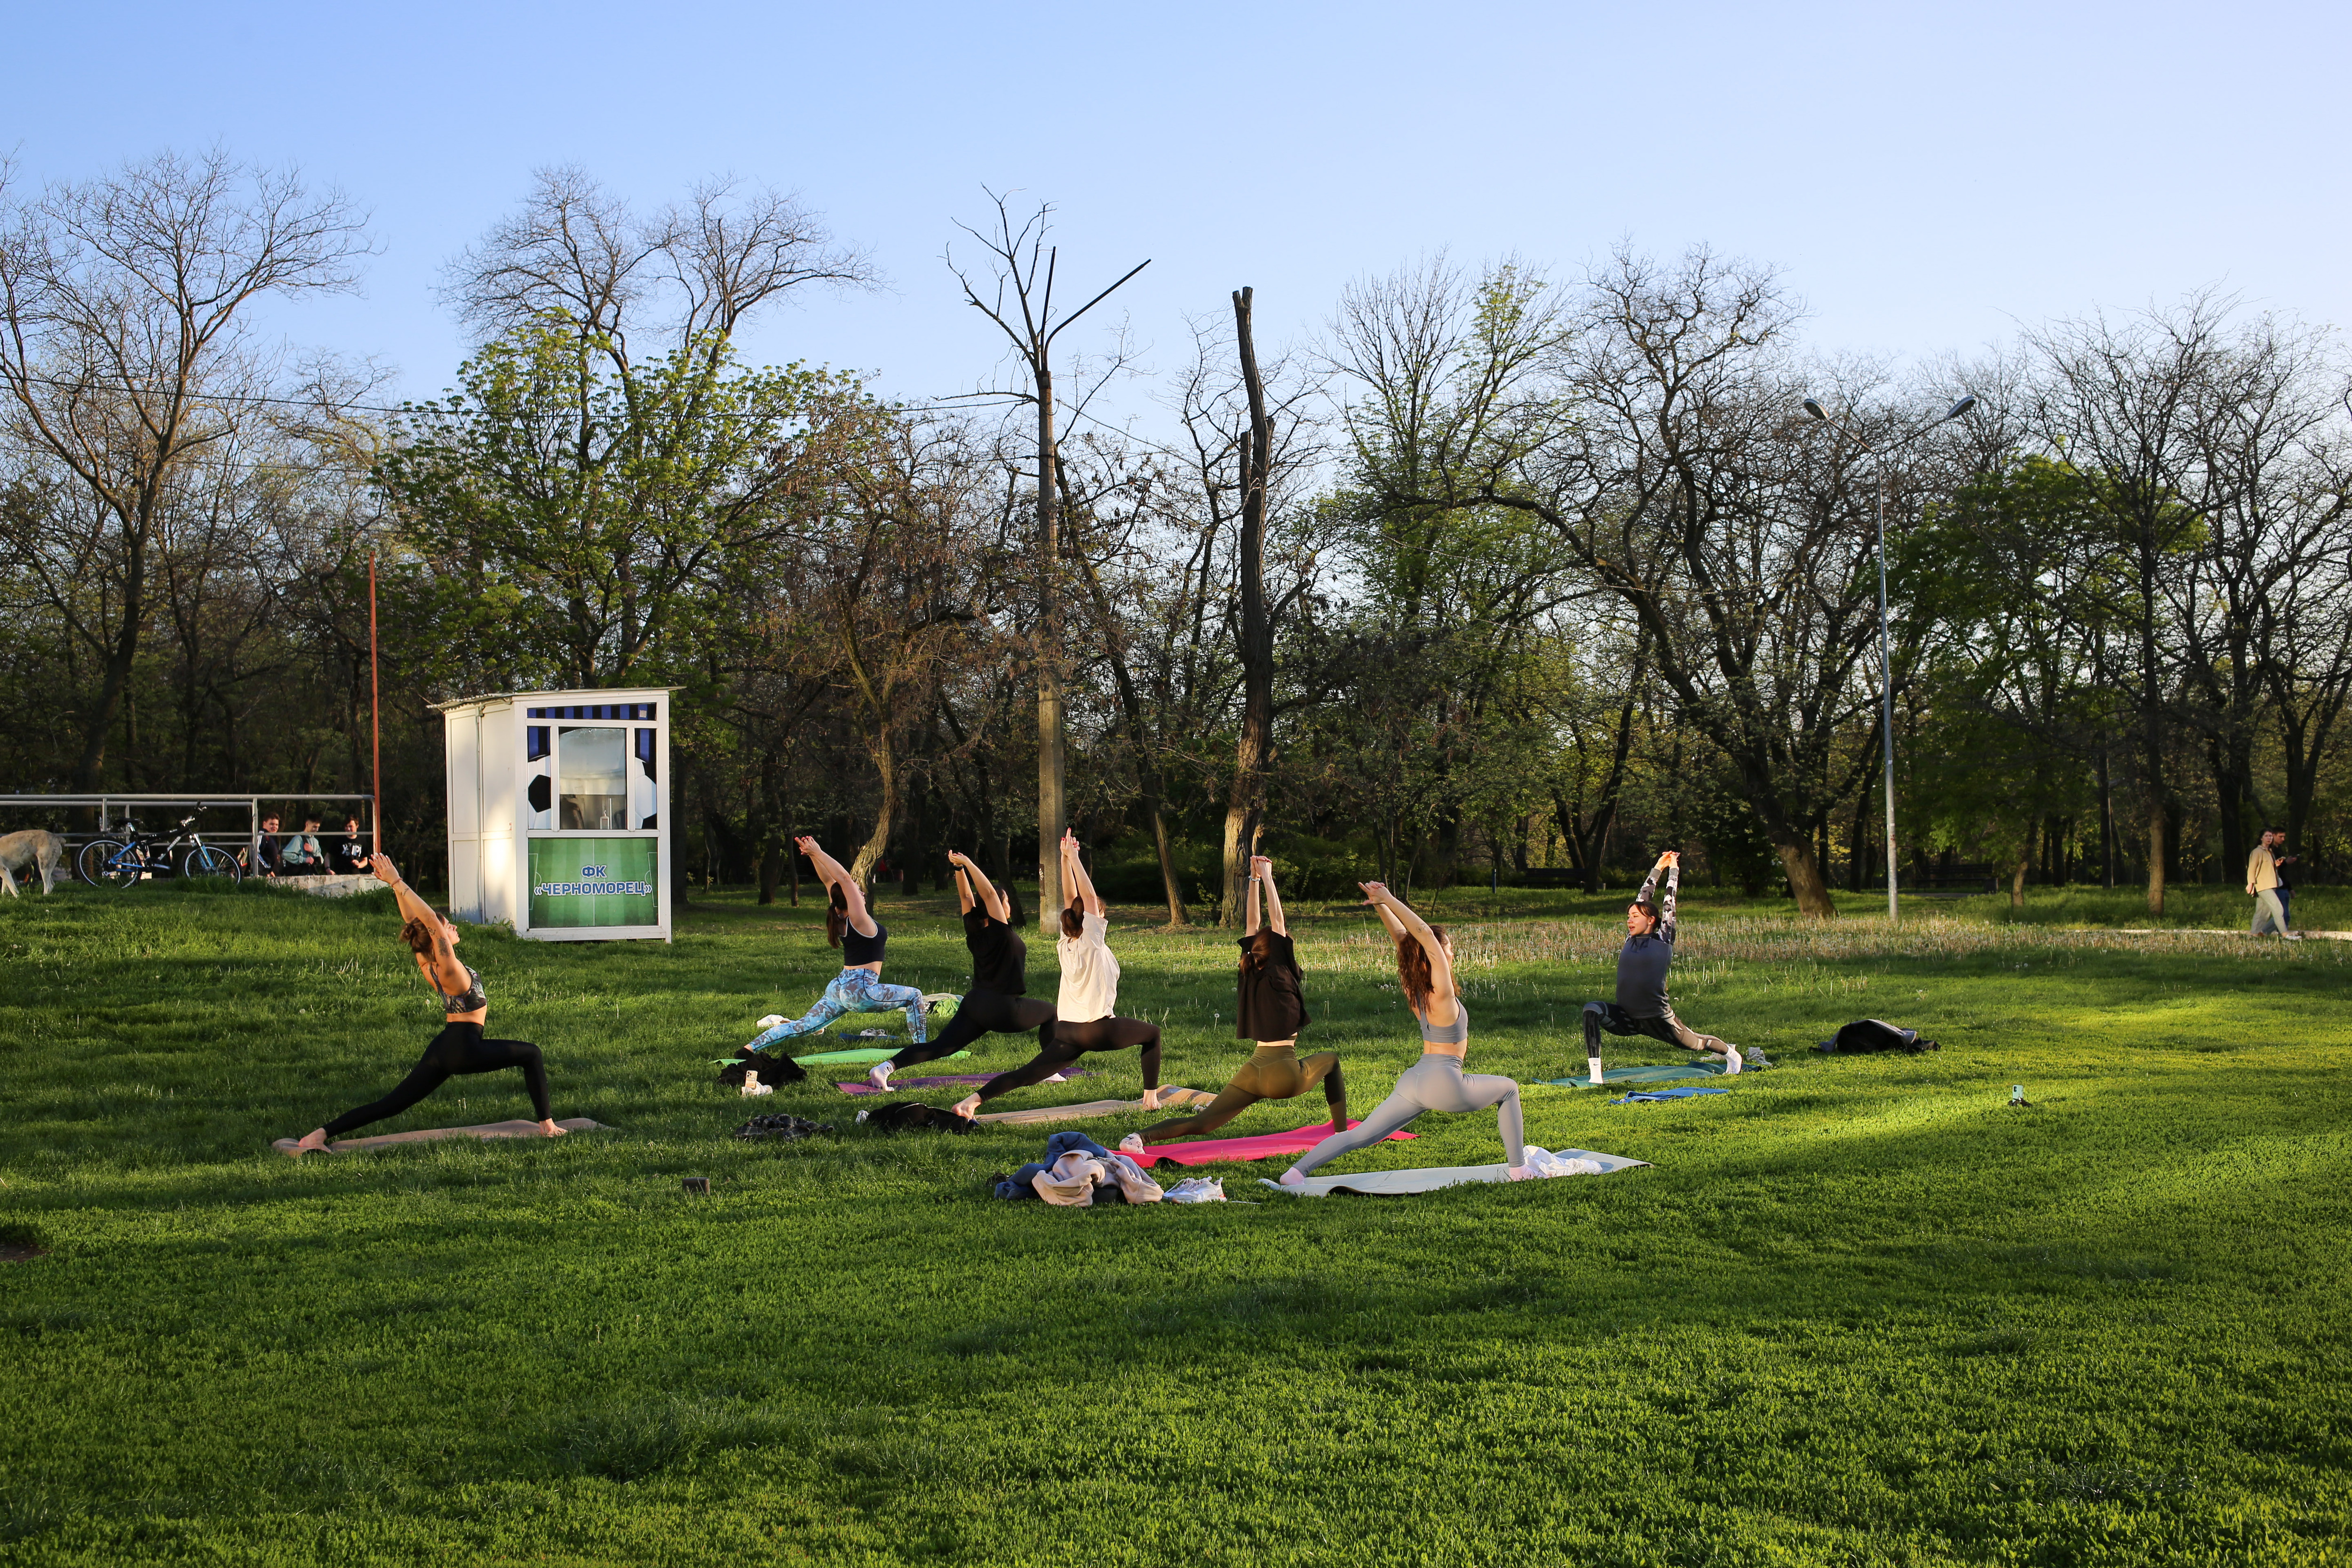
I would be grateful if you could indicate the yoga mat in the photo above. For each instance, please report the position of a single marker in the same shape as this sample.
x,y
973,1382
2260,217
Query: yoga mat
x,y
1044,1115
1397,1184
1661,1073
1654,1096
860,1059
426,1134
1264,1146
968,1079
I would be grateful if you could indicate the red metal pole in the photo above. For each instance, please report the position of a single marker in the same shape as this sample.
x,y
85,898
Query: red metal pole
x,y
375,723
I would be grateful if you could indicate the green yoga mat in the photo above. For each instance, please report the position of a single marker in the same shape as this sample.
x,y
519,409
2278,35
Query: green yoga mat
x,y
1660,1073
869,1054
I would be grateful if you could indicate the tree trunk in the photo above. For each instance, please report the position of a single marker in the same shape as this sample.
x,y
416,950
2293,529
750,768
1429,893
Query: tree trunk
x,y
1052,811
1804,874
2017,877
2155,852
878,843
1245,805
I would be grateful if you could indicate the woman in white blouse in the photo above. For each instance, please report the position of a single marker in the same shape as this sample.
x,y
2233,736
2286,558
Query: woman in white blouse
x,y
1082,1019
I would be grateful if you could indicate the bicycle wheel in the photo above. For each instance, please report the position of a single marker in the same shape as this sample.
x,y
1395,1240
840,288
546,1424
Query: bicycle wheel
x,y
211,860
110,862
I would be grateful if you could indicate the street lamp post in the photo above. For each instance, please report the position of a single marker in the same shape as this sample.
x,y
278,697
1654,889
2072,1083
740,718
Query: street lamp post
x,y
1886,647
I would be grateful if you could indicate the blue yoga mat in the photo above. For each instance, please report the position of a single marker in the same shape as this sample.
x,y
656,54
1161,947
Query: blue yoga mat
x,y
1652,1096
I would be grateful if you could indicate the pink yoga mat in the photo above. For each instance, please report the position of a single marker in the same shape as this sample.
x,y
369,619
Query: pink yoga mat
x,y
1264,1146
968,1079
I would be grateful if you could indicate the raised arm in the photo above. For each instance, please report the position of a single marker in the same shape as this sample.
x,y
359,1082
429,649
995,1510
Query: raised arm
x,y
834,876
1396,927
447,973
1075,878
1399,918
1262,871
1672,861
990,900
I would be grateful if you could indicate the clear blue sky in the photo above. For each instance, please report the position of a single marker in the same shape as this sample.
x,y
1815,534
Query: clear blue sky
x,y
1927,177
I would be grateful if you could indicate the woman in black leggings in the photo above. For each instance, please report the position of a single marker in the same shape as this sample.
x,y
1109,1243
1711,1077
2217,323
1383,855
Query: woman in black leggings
x,y
1000,973
460,1049
1083,1019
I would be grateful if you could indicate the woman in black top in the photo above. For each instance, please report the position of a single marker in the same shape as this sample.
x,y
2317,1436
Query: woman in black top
x,y
850,926
1272,1011
460,1049
999,962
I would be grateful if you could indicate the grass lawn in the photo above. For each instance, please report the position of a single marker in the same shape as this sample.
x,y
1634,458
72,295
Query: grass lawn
x,y
1860,1312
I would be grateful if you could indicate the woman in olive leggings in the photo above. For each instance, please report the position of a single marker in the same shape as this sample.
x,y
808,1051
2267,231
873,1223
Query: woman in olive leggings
x,y
1272,1012
459,1049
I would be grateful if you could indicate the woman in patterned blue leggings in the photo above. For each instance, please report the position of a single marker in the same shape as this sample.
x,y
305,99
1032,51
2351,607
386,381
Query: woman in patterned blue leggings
x,y
850,926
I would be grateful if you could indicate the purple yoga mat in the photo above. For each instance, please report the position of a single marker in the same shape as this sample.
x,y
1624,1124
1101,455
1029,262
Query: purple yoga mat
x,y
960,1081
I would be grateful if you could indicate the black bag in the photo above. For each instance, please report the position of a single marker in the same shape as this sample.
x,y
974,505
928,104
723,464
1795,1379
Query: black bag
x,y
903,1114
1874,1035
790,1127
772,1069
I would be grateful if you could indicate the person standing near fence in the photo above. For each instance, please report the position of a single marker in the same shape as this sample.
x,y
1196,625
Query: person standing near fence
x,y
2263,886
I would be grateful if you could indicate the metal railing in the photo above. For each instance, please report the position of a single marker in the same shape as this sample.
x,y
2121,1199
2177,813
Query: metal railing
x,y
107,805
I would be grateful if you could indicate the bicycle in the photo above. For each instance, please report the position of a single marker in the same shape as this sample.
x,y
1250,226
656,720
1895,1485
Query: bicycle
x,y
135,857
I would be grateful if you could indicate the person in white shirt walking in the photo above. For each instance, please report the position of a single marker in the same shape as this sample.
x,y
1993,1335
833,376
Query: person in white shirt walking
x,y
1082,1017
2263,885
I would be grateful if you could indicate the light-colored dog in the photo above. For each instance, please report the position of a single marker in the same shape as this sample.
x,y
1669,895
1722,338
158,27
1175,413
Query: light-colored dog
x,y
23,851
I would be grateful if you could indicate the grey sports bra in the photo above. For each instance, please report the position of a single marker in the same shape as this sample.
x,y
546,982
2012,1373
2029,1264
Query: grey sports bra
x,y
471,999
1455,1033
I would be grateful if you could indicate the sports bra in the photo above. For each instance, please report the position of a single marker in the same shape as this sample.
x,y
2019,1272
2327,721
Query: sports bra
x,y
1455,1033
856,950
470,999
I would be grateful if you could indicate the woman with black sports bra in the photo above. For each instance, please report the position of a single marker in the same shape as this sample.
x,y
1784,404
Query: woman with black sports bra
x,y
850,926
1436,1082
1272,1011
1000,973
459,1049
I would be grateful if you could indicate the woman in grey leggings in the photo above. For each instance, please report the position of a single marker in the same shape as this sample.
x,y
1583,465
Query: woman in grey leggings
x,y
1436,1082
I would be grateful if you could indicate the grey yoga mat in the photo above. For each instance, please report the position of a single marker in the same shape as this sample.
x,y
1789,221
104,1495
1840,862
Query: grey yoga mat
x,y
1429,1178
1662,1072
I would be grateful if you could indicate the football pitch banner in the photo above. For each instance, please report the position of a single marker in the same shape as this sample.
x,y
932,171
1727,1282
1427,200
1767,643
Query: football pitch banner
x,y
595,882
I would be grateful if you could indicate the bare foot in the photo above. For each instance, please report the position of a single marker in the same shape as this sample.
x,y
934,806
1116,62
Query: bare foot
x,y
1151,1099
1519,1173
312,1141
878,1075
549,1129
1132,1145
1291,1178
968,1107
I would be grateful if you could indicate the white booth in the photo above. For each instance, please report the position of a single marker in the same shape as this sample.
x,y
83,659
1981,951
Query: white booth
x,y
559,812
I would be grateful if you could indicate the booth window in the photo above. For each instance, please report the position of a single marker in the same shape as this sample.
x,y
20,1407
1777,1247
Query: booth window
x,y
594,792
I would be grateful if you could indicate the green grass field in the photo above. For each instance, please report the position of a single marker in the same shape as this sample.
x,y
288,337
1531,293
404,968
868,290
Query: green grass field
x,y
1860,1312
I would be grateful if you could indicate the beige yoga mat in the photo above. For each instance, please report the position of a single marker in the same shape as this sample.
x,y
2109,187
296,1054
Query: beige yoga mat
x,y
425,1135
1169,1097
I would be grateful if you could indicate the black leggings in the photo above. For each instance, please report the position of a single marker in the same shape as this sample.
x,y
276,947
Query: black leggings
x,y
457,1051
980,1013
1061,1044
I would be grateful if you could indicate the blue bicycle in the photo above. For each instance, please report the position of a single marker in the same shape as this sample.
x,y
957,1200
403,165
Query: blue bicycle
x,y
138,856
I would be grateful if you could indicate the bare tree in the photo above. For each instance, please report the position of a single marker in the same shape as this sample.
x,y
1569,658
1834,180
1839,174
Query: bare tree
x,y
1023,268
125,356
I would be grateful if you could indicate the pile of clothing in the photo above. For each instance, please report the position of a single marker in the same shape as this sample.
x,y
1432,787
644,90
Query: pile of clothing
x,y
781,1126
772,1069
1875,1035
1076,1169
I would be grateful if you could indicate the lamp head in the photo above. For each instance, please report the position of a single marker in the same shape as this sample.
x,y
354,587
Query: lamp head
x,y
1966,403
1813,407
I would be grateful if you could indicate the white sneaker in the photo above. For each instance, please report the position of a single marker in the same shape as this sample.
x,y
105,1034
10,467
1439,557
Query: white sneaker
x,y
879,1077
1595,1064
771,1021
753,1088
1731,1061
1132,1145
1057,1078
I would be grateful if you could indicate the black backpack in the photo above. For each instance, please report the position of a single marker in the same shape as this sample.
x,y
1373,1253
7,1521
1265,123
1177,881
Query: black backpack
x,y
772,1069
1875,1035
